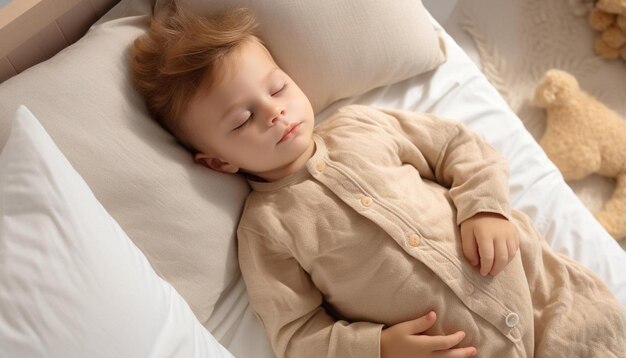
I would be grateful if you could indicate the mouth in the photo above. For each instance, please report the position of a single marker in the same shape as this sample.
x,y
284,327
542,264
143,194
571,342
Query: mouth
x,y
289,132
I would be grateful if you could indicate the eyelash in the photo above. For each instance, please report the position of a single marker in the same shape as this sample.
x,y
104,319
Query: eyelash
x,y
244,123
280,90
252,114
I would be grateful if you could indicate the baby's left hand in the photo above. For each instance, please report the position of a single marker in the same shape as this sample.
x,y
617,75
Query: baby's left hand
x,y
489,239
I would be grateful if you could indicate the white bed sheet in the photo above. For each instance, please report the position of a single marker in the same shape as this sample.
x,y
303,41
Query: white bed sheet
x,y
458,90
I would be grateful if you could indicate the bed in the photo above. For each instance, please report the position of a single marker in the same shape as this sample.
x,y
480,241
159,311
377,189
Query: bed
x,y
75,283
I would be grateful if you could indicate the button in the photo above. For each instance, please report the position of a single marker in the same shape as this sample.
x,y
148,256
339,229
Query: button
x,y
414,240
366,201
320,166
468,288
512,319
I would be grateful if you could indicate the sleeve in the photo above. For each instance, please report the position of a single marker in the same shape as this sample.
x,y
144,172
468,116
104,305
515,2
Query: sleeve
x,y
476,174
289,306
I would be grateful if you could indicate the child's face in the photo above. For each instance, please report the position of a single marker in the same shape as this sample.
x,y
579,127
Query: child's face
x,y
241,123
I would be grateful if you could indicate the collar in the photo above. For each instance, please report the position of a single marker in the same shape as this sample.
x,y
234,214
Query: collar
x,y
304,173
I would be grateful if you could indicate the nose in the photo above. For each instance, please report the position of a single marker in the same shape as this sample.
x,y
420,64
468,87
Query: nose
x,y
275,114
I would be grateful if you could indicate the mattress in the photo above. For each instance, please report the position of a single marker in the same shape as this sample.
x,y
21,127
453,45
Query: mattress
x,y
458,90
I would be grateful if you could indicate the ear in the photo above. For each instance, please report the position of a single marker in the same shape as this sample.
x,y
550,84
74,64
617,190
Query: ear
x,y
215,163
545,95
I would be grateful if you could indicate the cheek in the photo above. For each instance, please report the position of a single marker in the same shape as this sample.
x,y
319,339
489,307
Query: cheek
x,y
301,103
253,145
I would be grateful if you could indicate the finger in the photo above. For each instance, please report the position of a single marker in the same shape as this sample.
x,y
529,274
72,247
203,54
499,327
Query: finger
x,y
438,343
470,249
501,256
485,249
516,239
456,353
512,246
416,326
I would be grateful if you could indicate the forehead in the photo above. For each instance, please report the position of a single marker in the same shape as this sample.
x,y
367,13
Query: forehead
x,y
241,70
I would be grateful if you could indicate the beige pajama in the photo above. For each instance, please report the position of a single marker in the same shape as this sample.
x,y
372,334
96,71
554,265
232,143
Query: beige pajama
x,y
366,236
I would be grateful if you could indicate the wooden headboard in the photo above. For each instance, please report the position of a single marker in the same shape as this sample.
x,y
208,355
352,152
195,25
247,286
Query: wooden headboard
x,y
32,31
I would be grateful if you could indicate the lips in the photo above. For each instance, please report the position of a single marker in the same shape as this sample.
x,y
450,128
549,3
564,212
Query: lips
x,y
290,130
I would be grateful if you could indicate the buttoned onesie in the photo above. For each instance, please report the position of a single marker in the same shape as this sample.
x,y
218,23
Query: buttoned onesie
x,y
366,235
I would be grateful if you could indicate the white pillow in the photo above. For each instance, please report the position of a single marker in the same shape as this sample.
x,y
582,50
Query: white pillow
x,y
71,282
182,216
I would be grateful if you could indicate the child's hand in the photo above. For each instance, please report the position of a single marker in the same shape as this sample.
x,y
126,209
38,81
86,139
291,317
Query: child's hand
x,y
490,240
404,341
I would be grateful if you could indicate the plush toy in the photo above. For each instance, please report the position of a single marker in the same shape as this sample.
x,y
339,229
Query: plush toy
x,y
609,18
582,137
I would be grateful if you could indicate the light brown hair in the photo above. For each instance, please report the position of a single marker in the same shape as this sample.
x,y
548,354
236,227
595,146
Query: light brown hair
x,y
182,52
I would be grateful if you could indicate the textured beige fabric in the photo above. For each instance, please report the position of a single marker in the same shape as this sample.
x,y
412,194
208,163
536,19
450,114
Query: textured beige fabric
x,y
367,232
181,216
338,48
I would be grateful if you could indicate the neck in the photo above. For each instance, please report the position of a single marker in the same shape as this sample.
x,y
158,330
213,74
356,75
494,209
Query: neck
x,y
285,171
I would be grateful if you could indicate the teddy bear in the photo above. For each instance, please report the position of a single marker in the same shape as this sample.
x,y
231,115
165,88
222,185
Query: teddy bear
x,y
609,18
582,137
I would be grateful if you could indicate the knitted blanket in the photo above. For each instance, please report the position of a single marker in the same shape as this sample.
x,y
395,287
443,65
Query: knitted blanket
x,y
519,40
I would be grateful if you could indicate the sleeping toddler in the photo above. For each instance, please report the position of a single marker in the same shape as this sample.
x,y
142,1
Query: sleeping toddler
x,y
377,233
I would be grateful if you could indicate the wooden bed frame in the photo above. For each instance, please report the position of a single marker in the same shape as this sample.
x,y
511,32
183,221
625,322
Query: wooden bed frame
x,y
32,31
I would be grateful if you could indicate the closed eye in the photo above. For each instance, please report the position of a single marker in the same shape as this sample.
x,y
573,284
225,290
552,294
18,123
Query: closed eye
x,y
280,90
244,123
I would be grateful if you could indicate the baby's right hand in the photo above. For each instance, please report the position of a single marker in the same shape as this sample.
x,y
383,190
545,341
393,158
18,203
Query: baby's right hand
x,y
404,340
